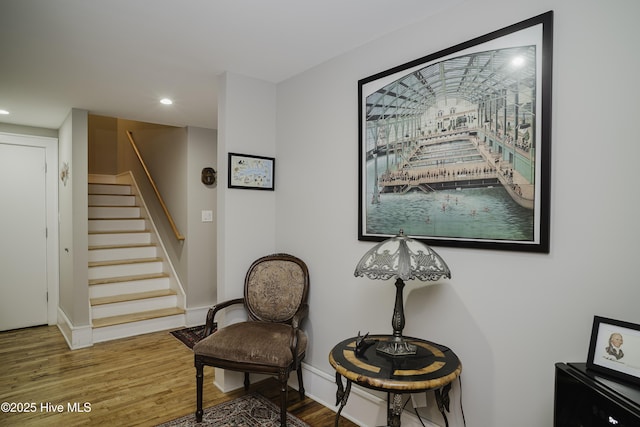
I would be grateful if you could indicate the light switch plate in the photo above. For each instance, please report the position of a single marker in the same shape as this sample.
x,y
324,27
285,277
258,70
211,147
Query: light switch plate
x,y
207,216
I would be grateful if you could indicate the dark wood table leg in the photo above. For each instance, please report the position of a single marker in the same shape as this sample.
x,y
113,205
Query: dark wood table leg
x,y
342,394
442,399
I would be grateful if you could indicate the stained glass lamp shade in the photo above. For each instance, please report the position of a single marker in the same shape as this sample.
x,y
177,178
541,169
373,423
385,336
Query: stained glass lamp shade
x,y
402,258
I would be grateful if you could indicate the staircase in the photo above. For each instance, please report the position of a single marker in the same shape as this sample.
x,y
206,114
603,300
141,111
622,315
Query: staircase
x,y
132,289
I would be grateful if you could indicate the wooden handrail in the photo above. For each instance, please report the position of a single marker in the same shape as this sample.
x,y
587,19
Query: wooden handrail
x,y
155,188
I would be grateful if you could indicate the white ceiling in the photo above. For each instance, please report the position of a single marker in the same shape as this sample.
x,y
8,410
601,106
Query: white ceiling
x,y
119,57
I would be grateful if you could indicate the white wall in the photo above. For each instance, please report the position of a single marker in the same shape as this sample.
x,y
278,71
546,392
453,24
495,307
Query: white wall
x,y
509,316
245,218
201,245
73,231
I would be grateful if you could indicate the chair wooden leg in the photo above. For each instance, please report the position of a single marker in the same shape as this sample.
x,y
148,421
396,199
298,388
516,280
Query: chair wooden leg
x,y
300,384
246,381
284,379
199,381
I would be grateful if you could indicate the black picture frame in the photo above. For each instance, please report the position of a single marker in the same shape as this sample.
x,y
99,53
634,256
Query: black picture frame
x,y
251,172
454,148
623,364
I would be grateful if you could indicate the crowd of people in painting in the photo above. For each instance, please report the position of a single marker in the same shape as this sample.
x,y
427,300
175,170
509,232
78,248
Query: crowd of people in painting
x,y
419,176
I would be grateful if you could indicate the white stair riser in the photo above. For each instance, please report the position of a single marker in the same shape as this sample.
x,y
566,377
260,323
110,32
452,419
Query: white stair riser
x,y
114,212
130,307
113,254
109,189
116,224
129,287
103,272
119,239
111,200
109,333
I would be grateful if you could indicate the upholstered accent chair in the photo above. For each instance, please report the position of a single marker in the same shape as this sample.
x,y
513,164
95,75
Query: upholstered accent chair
x,y
270,341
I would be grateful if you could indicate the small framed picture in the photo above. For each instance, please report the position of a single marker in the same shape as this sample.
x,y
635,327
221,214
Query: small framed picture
x,y
251,172
615,349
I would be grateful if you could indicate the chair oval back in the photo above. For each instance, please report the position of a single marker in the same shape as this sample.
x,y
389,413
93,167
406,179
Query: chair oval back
x,y
275,287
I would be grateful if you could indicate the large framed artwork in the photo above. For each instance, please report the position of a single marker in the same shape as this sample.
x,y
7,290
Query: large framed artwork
x,y
455,147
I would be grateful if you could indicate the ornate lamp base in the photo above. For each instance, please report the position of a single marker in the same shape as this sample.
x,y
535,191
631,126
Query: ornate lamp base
x,y
396,347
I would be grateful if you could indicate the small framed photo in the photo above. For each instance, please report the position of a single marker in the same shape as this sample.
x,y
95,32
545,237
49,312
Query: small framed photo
x,y
615,349
251,172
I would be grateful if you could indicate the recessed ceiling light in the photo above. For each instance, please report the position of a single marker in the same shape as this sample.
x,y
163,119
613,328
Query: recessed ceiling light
x,y
166,101
4,112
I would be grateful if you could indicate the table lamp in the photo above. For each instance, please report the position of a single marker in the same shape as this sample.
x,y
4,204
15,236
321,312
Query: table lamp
x,y
403,258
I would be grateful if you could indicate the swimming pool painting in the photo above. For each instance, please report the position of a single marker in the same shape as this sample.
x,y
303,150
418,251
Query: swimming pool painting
x,y
455,148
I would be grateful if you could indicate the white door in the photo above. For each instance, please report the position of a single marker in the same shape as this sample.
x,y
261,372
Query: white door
x,y
23,239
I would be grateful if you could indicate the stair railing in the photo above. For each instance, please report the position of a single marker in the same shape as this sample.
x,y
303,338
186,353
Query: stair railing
x,y
155,188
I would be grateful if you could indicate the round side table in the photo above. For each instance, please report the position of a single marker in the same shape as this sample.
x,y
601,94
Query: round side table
x,y
432,368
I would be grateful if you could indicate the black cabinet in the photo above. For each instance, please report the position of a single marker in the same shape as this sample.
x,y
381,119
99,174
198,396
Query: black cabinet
x,y
584,398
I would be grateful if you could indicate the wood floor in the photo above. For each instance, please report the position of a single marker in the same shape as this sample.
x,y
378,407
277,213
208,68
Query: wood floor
x,y
139,381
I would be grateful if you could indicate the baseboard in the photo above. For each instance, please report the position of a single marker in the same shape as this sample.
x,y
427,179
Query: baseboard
x,y
76,337
125,330
82,336
196,316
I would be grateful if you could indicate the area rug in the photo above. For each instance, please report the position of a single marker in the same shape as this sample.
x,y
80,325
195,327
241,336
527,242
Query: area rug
x,y
250,410
189,336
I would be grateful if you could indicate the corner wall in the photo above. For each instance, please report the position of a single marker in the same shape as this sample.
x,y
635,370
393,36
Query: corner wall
x,y
246,219
75,322
164,150
201,245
